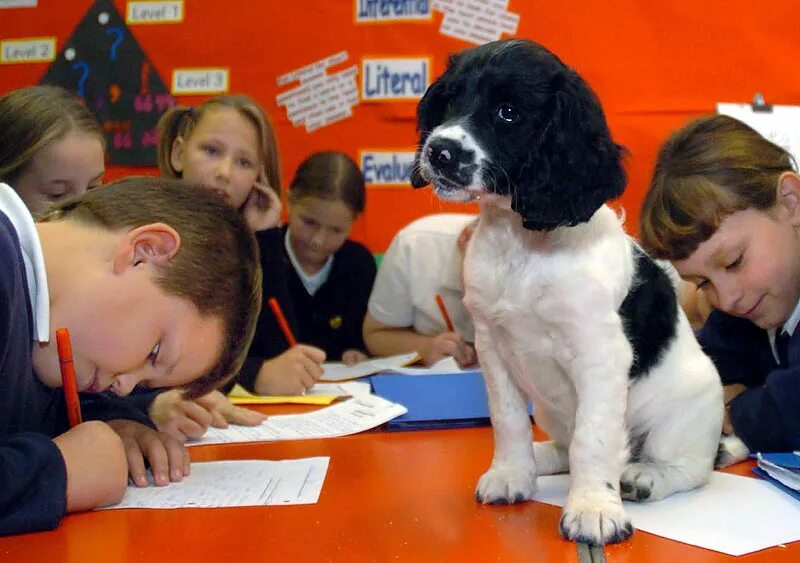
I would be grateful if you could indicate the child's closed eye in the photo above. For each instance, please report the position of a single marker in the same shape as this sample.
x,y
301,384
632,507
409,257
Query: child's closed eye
x,y
153,356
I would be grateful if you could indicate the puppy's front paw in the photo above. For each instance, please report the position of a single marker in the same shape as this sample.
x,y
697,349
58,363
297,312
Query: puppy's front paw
x,y
506,485
596,519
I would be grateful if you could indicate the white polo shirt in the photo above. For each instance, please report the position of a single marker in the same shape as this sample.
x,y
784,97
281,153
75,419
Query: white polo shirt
x,y
423,260
17,212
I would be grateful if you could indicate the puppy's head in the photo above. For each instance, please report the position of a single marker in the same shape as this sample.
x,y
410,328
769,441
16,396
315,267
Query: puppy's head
x,y
510,118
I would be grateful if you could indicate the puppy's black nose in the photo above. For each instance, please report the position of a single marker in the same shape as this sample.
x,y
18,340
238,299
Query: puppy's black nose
x,y
446,155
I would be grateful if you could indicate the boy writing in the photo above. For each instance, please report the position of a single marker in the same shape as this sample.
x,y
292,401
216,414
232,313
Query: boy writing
x,y
724,207
159,284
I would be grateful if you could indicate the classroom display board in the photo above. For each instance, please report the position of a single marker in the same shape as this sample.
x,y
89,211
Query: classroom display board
x,y
103,64
347,75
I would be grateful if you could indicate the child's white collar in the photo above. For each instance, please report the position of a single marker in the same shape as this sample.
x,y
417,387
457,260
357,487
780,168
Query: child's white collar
x,y
16,211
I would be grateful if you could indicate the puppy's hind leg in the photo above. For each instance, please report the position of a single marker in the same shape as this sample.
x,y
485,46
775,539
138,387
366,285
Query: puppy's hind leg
x,y
677,454
512,476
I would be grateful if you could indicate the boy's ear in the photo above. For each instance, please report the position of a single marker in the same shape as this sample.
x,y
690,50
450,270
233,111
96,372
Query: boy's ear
x,y
176,154
155,244
788,195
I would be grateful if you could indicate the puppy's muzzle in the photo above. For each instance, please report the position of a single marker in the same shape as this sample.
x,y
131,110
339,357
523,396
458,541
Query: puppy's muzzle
x,y
449,160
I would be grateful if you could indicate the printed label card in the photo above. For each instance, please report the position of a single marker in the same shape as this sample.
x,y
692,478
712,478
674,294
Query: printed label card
x,y
321,98
476,21
394,79
27,50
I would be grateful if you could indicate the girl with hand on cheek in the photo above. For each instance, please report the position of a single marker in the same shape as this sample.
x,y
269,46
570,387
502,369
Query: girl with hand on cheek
x,y
226,144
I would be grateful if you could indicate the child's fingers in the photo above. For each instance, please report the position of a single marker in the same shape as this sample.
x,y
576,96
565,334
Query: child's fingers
x,y
176,458
199,413
135,463
188,429
218,419
245,417
154,450
317,355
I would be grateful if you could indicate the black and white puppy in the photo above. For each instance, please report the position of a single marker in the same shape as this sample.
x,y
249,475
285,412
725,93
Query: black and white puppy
x,y
568,309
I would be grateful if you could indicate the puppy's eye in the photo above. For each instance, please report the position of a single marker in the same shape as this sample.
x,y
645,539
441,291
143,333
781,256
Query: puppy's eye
x,y
507,113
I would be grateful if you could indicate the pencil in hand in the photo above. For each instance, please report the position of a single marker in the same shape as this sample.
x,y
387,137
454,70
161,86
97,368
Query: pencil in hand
x,y
442,309
287,332
68,379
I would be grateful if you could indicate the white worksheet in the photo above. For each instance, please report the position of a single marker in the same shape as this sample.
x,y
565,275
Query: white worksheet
x,y
337,371
348,417
731,514
217,484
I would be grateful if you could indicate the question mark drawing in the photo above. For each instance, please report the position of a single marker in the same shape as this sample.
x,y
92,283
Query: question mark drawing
x,y
119,34
84,67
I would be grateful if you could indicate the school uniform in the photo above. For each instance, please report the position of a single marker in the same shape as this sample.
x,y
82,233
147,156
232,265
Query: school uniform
x,y
325,310
767,415
423,260
33,479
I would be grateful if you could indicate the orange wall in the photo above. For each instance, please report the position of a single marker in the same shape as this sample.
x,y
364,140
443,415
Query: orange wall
x,y
653,64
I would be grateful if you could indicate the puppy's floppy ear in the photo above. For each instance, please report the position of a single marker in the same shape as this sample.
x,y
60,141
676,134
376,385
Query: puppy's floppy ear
x,y
430,113
578,165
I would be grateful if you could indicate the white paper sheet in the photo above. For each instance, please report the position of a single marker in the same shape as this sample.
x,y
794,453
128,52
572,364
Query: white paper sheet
x,y
343,389
444,366
217,484
731,514
348,417
337,371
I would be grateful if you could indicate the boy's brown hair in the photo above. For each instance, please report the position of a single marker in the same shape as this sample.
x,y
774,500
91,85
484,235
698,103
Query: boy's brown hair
x,y
709,169
180,121
217,266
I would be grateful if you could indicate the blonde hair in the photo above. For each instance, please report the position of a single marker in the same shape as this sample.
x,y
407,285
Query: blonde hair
x,y
180,121
31,118
709,169
217,267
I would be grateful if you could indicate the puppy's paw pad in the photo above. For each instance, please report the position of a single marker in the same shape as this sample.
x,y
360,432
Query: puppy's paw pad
x,y
506,486
595,523
641,482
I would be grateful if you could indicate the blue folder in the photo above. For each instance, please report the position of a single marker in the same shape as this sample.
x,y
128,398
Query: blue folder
x,y
764,475
788,461
455,400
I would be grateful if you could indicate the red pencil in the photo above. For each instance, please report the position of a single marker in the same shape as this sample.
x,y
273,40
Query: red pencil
x,y
287,332
448,323
68,379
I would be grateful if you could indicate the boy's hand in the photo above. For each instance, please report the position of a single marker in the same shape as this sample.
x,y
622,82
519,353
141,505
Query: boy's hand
x,y
189,419
731,392
96,470
292,372
262,209
169,459
352,357
450,344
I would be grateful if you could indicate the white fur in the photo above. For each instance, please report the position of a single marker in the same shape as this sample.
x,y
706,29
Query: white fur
x,y
545,308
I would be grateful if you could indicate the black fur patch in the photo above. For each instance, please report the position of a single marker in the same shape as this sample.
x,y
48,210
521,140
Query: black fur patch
x,y
649,313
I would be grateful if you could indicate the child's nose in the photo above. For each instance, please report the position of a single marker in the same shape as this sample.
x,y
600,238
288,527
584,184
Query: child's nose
x,y
729,296
124,383
223,170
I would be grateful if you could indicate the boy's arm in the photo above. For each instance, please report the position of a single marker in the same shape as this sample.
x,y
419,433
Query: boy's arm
x,y
105,407
34,483
767,417
739,349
